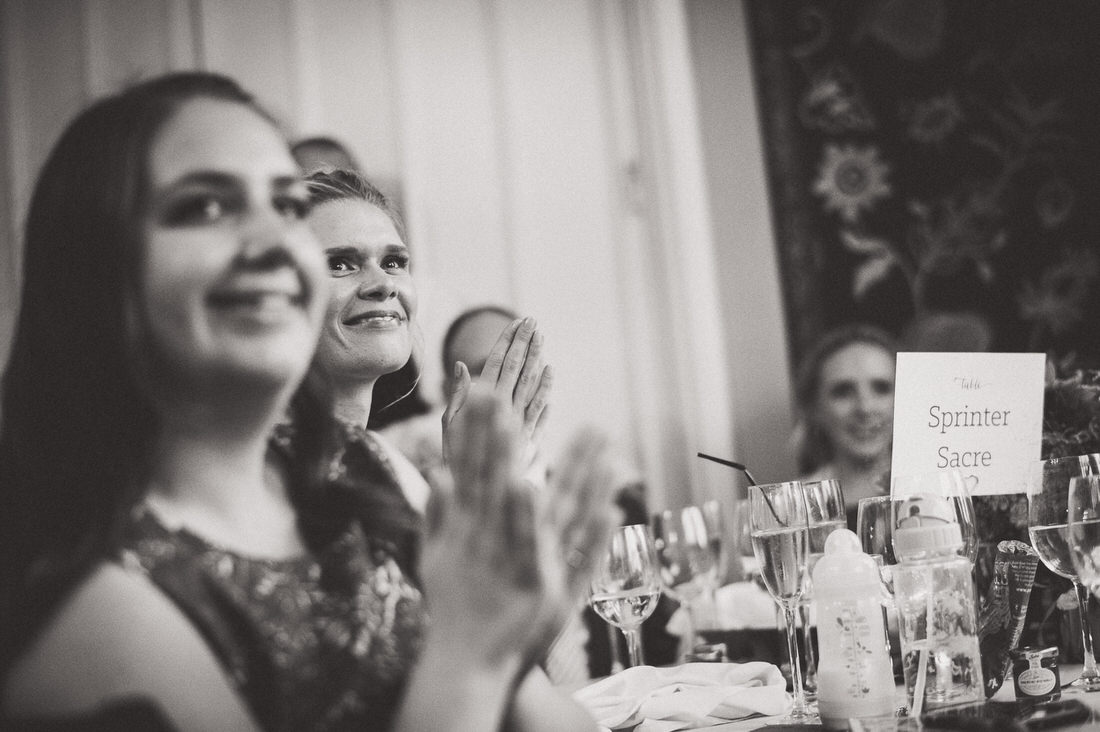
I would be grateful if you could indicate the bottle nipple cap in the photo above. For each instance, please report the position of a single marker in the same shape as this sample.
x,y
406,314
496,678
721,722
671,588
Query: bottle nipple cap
x,y
925,523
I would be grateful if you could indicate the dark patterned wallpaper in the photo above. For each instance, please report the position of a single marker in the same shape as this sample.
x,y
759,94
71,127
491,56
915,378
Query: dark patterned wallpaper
x,y
934,168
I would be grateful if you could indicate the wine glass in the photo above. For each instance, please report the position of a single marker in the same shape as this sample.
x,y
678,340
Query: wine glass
x,y
825,514
1084,530
743,539
780,539
949,484
685,559
875,527
626,585
720,556
1048,494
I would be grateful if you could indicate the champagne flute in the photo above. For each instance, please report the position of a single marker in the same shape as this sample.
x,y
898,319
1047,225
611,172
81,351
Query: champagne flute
x,y
825,514
1084,530
685,559
780,539
626,585
1048,494
949,484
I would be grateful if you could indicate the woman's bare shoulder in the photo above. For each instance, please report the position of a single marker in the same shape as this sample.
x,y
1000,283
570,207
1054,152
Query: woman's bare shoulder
x,y
117,636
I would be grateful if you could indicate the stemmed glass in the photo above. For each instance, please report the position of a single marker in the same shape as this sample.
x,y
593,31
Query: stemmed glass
x,y
875,528
1048,517
626,585
1084,530
780,539
949,484
685,559
743,539
825,514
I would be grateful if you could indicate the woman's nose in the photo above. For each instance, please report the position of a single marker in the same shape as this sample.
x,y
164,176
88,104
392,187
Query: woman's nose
x,y
264,230
864,401
375,284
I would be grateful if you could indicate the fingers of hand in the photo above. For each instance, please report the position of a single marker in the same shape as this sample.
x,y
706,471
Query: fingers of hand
x,y
483,452
440,500
521,543
530,373
585,515
511,368
535,407
460,387
460,384
589,541
491,371
585,479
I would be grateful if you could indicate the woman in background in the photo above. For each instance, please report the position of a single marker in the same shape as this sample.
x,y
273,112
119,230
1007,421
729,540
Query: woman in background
x,y
166,564
845,393
371,330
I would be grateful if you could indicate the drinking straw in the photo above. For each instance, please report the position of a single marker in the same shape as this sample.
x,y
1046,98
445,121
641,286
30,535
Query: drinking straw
x,y
748,475
731,464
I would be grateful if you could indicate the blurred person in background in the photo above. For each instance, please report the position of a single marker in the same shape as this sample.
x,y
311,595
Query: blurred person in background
x,y
845,394
322,152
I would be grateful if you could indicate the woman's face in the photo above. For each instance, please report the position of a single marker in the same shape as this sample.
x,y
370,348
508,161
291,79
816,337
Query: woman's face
x,y
372,302
233,280
855,401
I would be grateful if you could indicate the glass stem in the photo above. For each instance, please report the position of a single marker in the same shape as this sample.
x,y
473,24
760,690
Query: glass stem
x,y
687,645
634,646
613,638
799,707
1089,670
810,677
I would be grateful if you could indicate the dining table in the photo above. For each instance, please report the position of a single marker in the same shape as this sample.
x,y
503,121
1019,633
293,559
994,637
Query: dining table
x,y
1006,693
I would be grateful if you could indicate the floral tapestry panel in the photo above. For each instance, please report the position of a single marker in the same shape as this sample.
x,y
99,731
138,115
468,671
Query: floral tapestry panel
x,y
933,169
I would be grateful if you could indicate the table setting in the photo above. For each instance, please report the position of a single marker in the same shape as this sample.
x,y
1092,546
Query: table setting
x,y
951,654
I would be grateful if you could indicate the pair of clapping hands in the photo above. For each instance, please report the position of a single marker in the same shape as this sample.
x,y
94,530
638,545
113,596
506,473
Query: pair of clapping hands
x,y
504,562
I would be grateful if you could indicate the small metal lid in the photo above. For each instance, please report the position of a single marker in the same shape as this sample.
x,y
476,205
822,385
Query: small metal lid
x,y
1031,652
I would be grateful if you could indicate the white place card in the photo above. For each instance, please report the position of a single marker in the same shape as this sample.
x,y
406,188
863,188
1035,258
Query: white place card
x,y
979,412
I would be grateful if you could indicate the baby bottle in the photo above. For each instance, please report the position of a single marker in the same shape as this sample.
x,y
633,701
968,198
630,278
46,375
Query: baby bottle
x,y
935,597
855,677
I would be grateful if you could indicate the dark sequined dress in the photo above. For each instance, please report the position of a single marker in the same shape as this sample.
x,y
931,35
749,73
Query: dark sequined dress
x,y
324,641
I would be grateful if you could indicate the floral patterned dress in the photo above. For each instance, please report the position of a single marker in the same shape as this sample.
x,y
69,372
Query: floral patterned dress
x,y
324,641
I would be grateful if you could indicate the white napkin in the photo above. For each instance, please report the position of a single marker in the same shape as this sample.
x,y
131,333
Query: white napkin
x,y
689,696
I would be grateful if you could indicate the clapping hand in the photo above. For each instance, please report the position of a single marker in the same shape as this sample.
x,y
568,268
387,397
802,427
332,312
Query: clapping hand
x,y
503,566
516,374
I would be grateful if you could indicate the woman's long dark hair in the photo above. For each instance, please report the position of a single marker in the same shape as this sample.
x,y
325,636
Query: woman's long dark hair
x,y
78,425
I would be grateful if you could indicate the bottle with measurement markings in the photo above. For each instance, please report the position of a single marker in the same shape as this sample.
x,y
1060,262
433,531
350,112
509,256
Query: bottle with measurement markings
x,y
934,591
855,677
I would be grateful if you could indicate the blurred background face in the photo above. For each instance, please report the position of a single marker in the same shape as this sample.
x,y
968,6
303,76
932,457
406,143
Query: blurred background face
x,y
473,341
368,327
233,282
855,401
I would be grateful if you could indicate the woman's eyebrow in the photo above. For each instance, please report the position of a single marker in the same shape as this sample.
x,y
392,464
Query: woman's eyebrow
x,y
203,177
349,252
196,179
